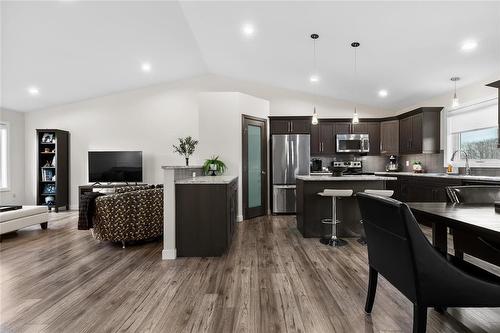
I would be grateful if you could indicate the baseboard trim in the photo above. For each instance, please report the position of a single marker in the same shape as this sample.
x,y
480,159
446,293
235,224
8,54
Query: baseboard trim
x,y
239,218
169,254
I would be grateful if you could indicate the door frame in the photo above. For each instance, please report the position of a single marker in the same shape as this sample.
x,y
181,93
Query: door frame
x,y
249,213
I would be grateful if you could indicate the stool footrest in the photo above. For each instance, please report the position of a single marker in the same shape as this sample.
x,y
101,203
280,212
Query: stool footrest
x,y
329,221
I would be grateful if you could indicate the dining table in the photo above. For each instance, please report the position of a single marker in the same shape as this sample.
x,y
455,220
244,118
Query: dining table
x,y
477,224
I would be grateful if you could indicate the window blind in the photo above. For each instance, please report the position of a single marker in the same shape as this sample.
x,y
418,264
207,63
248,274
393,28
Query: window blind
x,y
472,117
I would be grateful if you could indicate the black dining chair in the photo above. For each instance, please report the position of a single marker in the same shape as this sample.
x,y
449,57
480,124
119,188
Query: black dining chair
x,y
485,249
474,194
400,252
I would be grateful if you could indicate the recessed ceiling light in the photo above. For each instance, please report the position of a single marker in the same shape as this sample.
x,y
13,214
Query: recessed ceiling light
x,y
248,30
314,78
146,67
469,45
33,91
383,93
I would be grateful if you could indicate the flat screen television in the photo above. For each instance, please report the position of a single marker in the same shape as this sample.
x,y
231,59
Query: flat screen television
x,y
115,166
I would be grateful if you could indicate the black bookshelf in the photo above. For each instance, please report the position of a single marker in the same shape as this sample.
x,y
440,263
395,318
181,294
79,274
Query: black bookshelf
x,y
53,168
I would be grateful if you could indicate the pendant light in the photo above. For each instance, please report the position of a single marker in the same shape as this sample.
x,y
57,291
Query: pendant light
x,y
455,103
314,79
355,117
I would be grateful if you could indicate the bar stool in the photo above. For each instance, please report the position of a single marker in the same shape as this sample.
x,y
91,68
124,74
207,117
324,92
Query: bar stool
x,y
334,194
381,193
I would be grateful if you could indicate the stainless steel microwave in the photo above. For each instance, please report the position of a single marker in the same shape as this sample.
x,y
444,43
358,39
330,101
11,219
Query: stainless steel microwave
x,y
353,143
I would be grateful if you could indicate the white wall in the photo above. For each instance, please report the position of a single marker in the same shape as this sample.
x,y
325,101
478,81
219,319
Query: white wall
x,y
150,120
221,129
15,194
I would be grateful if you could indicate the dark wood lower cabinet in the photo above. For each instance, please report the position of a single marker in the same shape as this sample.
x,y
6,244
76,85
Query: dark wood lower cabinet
x,y
205,217
423,189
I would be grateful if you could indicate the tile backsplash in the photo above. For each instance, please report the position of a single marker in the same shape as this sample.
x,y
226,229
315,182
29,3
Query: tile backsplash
x,y
430,163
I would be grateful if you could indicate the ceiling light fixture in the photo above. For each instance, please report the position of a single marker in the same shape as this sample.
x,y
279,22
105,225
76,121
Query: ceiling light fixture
x,y
248,30
469,45
455,102
355,45
34,91
314,79
383,93
146,67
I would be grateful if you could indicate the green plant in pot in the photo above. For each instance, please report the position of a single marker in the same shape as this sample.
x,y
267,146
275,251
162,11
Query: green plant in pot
x,y
186,147
214,166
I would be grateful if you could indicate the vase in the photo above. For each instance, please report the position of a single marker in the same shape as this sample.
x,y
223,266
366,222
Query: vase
x,y
187,161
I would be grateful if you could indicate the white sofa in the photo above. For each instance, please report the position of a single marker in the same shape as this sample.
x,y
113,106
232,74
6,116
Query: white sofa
x,y
20,218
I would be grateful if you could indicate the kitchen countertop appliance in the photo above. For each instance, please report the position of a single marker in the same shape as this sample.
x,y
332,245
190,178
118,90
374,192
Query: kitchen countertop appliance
x,y
291,157
316,165
353,143
393,164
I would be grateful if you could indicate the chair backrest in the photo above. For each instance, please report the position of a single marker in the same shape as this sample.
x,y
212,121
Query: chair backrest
x,y
389,248
480,194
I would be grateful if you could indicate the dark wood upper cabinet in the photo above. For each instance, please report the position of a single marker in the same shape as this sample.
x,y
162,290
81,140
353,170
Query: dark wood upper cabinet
x,y
389,137
373,130
300,125
360,128
279,126
322,139
496,84
419,131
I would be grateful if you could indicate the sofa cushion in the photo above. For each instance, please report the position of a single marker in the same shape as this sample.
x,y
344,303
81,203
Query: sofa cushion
x,y
25,211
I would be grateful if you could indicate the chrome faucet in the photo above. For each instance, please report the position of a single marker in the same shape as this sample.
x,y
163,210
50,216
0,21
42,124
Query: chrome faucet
x,y
467,167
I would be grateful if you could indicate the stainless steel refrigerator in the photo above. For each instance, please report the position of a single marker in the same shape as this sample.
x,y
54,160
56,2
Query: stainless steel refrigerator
x,y
291,157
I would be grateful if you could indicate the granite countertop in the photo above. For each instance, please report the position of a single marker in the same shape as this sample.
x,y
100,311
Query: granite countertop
x,y
345,178
171,167
440,175
207,180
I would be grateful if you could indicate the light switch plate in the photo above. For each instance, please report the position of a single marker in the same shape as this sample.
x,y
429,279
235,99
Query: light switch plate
x,y
407,163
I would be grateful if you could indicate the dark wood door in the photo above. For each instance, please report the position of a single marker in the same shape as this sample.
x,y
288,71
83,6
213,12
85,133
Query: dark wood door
x,y
373,130
315,140
327,145
360,128
254,166
405,135
416,134
342,128
280,126
389,137
300,126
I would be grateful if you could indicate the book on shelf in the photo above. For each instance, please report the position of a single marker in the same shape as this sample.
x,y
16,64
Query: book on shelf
x,y
47,174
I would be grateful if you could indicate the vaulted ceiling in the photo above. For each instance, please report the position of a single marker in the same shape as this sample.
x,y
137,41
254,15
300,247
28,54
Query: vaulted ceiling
x,y
73,50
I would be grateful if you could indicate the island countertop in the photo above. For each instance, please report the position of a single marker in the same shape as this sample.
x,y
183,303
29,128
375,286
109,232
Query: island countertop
x,y
325,178
207,180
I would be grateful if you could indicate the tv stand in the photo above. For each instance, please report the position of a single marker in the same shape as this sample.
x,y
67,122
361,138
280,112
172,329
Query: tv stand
x,y
82,189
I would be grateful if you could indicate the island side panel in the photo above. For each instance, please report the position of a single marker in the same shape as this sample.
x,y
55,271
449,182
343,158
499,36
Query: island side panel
x,y
315,207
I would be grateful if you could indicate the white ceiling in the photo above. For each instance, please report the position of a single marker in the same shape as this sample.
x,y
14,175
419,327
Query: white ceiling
x,y
73,50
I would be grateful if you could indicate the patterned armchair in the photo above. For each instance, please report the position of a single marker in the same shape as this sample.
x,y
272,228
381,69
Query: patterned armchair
x,y
131,213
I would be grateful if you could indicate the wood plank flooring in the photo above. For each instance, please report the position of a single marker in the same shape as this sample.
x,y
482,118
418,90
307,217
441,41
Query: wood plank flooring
x,y
272,280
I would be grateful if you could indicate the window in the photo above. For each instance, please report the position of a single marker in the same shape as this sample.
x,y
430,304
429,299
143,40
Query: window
x,y
474,130
4,147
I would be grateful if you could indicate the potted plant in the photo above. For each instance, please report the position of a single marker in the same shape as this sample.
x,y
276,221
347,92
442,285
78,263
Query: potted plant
x,y
186,147
417,167
214,166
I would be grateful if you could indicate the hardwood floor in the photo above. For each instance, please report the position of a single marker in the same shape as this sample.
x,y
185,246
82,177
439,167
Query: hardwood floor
x,y
272,280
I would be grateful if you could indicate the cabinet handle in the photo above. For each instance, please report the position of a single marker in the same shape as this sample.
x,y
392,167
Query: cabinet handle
x,y
291,126
288,127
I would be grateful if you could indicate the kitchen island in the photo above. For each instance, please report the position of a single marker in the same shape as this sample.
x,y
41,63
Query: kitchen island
x,y
311,207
